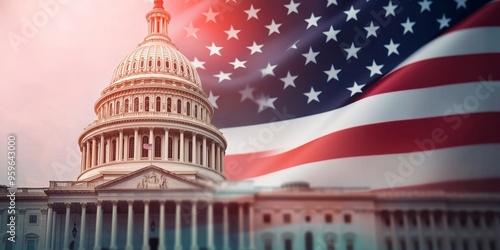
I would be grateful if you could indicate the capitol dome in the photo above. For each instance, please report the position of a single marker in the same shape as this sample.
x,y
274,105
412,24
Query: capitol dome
x,y
154,112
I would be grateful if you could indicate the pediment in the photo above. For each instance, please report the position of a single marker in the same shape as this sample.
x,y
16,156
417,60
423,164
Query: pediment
x,y
151,178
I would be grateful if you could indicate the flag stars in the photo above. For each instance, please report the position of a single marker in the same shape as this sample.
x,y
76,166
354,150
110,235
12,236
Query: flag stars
x,y
310,56
352,51
252,13
210,15
292,7
232,33
390,9
288,80
372,30
246,93
461,4
238,64
392,48
356,88
332,73
191,31
214,50
425,5
198,64
212,99
375,69
331,34
265,102
268,70
312,95
330,2
408,26
312,21
444,22
273,27
351,13
223,76
255,48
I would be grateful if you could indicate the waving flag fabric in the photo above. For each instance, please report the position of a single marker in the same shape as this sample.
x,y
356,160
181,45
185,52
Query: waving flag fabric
x,y
382,94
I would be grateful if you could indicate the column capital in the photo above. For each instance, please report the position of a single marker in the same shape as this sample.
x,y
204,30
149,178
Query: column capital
x,y
44,210
209,202
130,202
114,202
146,202
136,129
178,201
98,203
194,201
120,130
67,204
83,204
166,129
162,202
50,204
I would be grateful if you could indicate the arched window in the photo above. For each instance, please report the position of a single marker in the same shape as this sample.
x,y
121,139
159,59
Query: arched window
x,y
117,111
182,69
126,106
104,158
134,65
131,147
150,63
200,155
145,141
175,65
169,104
142,64
146,103
157,146
190,151
167,64
170,148
136,104
209,157
195,111
110,109
188,108
158,104
179,104
113,150
158,63
308,239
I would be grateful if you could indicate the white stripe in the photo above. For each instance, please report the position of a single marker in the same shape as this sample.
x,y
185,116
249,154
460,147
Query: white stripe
x,y
462,42
402,105
459,163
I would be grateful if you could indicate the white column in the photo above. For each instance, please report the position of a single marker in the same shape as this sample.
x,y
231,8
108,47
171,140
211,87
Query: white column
x,y
240,227
66,227
130,221
152,142
53,233
101,150
433,230
165,145
94,155
210,225
212,156
193,148
125,148
251,228
181,146
83,220
418,215
82,159
136,144
225,215
112,245
177,245
87,156
145,232
161,245
407,229
120,146
98,226
395,240
48,228
204,147
194,229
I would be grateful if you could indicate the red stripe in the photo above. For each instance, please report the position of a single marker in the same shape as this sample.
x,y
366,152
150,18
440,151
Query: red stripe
x,y
487,16
374,139
438,72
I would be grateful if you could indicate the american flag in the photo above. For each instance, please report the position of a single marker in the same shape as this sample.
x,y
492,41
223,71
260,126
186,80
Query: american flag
x,y
381,94
147,146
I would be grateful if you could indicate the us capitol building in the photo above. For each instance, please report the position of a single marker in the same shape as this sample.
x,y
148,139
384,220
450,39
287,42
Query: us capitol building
x,y
152,177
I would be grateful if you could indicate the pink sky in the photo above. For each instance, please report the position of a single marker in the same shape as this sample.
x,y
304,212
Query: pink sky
x,y
51,77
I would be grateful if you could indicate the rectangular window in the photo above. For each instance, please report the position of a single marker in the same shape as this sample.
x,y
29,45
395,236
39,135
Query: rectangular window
x,y
287,218
268,245
288,244
31,244
266,218
328,218
33,219
347,218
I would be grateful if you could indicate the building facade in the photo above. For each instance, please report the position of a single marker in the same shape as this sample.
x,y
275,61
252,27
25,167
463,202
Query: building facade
x,y
152,177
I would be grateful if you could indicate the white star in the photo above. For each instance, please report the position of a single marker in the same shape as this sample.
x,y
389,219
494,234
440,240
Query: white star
x,y
461,3
273,27
288,80
255,48
232,33
408,26
425,5
356,88
223,76
310,56
252,13
330,2
331,34
312,95
444,22
375,69
332,73
389,9
213,100
352,51
238,64
210,15
198,64
246,93
372,30
351,13
292,7
214,49
312,21
191,31
268,70
265,102
392,48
